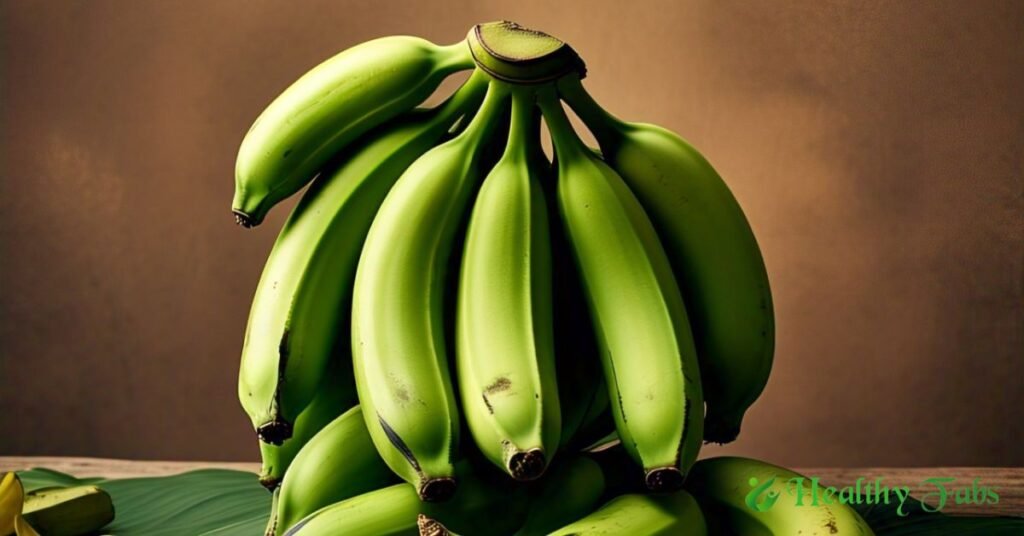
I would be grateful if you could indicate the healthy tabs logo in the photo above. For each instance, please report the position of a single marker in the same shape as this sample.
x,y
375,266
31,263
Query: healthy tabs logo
x,y
935,494
754,499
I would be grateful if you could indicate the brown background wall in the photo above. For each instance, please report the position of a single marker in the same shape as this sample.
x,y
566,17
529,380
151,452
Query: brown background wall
x,y
877,147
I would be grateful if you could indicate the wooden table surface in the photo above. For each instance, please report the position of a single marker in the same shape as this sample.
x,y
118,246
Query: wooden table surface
x,y
1008,482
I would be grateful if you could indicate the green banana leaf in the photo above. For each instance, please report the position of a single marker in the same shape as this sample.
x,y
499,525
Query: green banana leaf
x,y
205,502
227,503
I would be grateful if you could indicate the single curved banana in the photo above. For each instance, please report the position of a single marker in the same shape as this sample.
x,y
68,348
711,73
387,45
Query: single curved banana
x,y
646,346
505,352
583,395
328,108
569,492
751,497
398,333
477,508
333,397
340,462
713,252
297,319
672,514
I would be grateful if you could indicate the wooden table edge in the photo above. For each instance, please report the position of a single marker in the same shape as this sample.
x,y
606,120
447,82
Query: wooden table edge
x,y
1007,481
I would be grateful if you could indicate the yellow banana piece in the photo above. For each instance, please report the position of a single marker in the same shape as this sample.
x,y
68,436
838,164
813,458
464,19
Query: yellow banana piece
x,y
12,499
12,496
68,511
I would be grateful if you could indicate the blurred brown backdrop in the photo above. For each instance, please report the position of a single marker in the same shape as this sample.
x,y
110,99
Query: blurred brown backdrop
x,y
877,147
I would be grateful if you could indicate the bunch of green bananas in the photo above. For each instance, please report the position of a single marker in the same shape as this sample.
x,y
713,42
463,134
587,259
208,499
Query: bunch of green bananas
x,y
610,294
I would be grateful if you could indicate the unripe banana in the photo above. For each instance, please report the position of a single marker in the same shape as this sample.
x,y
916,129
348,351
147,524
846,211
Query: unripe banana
x,y
713,252
297,318
334,395
721,486
476,508
340,462
570,491
389,511
583,395
328,108
673,514
399,347
646,346
505,351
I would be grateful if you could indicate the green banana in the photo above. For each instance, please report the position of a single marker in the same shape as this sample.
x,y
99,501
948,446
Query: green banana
x,y
569,492
390,511
297,316
644,335
505,351
68,511
721,487
400,359
583,399
334,395
713,252
650,515
340,462
476,508
330,107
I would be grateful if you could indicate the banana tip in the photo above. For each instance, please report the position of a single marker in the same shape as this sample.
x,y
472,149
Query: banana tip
x,y
664,479
437,489
244,219
274,432
431,527
529,465
270,482
721,432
